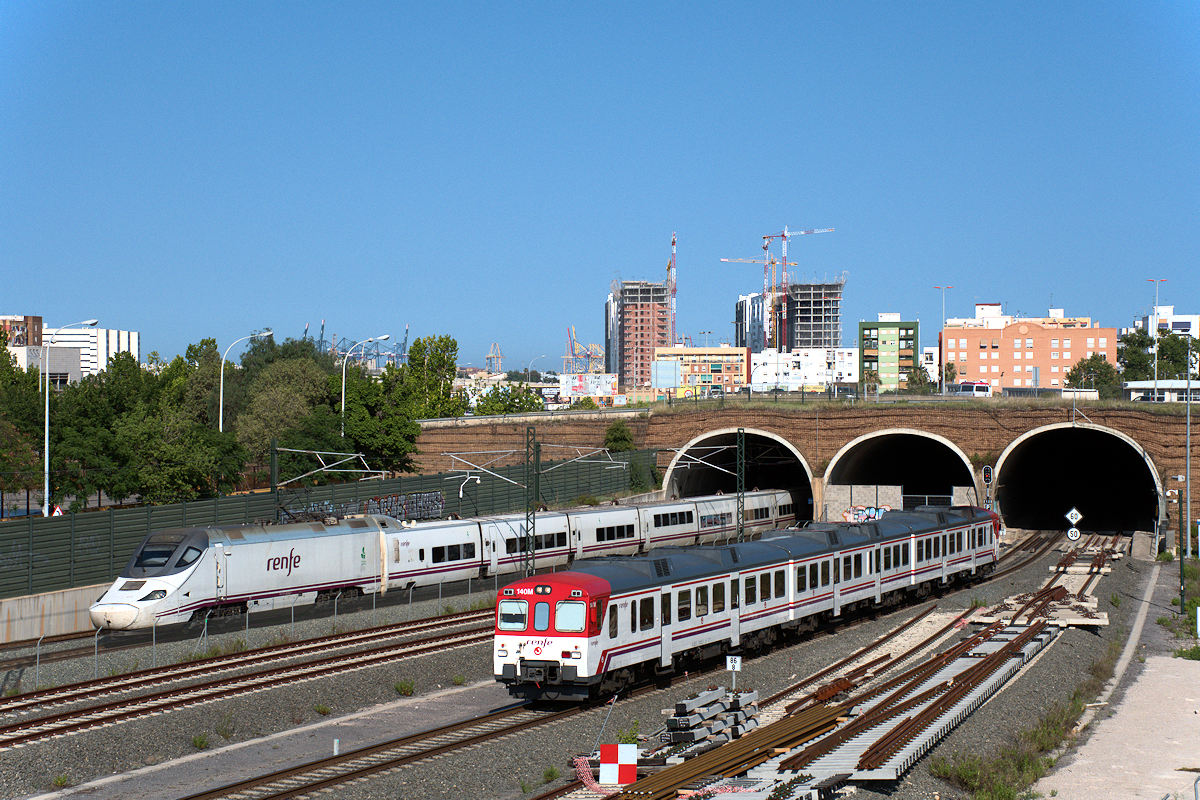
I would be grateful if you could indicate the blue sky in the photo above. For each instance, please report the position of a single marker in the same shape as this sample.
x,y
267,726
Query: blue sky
x,y
486,170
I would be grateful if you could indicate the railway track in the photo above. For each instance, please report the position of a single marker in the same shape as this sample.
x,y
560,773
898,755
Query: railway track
x,y
112,712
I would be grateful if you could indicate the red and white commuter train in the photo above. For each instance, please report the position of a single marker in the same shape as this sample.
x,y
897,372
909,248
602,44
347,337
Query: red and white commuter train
x,y
182,573
608,622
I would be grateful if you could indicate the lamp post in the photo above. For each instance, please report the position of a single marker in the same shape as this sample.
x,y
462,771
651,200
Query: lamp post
x,y
705,335
530,364
1187,469
1154,333
941,340
221,401
90,323
345,361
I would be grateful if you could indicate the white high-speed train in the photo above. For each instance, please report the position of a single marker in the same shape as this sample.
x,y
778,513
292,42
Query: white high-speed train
x,y
182,573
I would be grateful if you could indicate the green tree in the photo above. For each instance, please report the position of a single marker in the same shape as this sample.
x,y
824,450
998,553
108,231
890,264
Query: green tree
x,y
1135,355
284,393
509,400
429,376
618,438
174,458
20,461
1095,372
379,420
585,404
919,381
20,395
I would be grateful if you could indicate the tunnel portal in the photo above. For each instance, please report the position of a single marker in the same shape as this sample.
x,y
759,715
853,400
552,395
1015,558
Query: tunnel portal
x,y
1040,478
709,465
920,465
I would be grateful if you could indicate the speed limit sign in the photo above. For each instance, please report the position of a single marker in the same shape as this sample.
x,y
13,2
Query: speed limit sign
x,y
1073,534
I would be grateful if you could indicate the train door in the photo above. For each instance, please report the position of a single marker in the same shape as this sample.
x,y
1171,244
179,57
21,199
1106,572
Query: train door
x,y
666,617
220,554
735,612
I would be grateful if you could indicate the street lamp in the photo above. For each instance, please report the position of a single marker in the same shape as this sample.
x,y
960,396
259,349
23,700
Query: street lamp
x,y
221,402
91,323
530,364
1154,333
345,361
942,339
705,335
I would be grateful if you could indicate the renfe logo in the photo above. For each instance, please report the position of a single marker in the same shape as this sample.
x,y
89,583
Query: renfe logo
x,y
284,562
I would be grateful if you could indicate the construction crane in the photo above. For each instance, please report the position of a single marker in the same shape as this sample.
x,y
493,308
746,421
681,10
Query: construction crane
x,y
784,235
769,264
671,293
493,359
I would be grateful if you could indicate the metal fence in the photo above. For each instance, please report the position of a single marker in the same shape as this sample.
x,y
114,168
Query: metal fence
x,y
45,554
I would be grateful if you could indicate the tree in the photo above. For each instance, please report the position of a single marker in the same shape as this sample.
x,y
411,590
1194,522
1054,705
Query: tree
x,y
175,459
1095,372
585,404
508,400
284,393
1134,355
951,375
919,381
20,395
19,460
618,438
379,420
429,376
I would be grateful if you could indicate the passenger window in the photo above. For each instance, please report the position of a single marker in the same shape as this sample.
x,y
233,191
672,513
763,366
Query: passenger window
x,y
780,590
189,557
666,609
421,554
750,598
813,582
647,613
904,555
764,585
847,570
468,550
453,553
734,595
439,555
801,583
701,601
824,573
718,598
541,616
858,565
887,558
684,605
612,621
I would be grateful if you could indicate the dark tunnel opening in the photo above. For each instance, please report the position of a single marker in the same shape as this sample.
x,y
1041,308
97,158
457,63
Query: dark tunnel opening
x,y
1101,475
710,466
919,464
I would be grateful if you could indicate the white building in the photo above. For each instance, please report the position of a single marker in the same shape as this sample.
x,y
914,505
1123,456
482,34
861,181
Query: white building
x,y
96,345
809,368
929,361
748,329
63,366
1167,321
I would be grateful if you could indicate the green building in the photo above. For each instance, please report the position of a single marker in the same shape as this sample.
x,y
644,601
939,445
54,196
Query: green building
x,y
888,348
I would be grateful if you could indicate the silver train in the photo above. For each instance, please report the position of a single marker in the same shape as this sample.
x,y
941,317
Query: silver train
x,y
178,574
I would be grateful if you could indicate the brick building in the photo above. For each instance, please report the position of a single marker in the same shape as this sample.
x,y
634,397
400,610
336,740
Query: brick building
x,y
636,320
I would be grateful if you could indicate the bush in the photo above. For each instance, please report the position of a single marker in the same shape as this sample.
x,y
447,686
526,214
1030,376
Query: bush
x,y
322,709
61,781
200,741
405,688
1165,555
459,680
551,774
618,438
1190,653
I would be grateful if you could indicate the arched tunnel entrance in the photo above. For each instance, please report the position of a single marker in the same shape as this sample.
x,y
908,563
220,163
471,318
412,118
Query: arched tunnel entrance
x,y
904,468
708,464
1042,475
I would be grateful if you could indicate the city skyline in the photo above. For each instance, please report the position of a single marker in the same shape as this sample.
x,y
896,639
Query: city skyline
x,y
209,171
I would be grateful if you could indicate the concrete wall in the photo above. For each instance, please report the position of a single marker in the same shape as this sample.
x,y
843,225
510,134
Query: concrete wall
x,y
844,501
49,614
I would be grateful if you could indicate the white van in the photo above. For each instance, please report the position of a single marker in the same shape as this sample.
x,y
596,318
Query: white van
x,y
973,389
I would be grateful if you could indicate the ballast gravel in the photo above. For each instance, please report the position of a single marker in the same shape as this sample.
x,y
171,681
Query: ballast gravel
x,y
518,766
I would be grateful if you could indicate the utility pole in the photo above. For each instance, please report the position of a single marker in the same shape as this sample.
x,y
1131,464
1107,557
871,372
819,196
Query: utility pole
x,y
1154,333
741,484
533,469
941,340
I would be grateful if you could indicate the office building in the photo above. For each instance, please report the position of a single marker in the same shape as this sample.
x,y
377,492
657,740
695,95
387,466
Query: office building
x,y
96,345
748,328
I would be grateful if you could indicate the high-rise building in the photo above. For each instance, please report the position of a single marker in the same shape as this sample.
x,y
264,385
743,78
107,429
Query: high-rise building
x,y
887,348
636,320
748,330
1005,350
96,345
814,315
22,331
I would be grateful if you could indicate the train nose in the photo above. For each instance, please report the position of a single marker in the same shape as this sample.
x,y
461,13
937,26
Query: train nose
x,y
114,616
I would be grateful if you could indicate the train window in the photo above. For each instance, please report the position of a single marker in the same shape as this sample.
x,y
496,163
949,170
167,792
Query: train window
x,y
836,571
718,598
189,557
813,581
454,553
904,555
684,605
157,551
936,545
945,549
701,601
887,558
960,541
876,562
569,616
858,565
421,554
665,605
780,587
468,550
764,586
541,616
647,614
750,596
561,538
801,583
734,594
439,555
920,549
847,569
895,555
612,621
690,518
633,616
514,615
824,573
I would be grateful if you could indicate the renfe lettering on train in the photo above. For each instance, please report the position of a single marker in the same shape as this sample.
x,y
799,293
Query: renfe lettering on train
x,y
281,563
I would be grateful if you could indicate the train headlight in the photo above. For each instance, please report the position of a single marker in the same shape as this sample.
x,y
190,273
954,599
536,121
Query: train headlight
x,y
157,594
502,653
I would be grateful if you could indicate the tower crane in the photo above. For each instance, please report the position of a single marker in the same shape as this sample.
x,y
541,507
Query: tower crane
x,y
769,263
784,235
671,292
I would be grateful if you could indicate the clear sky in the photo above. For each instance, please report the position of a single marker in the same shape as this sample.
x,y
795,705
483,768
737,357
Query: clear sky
x,y
486,170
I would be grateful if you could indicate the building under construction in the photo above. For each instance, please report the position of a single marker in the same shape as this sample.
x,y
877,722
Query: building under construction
x,y
636,320
813,317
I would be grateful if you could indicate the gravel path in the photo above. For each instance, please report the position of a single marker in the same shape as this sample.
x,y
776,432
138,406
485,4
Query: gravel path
x,y
513,767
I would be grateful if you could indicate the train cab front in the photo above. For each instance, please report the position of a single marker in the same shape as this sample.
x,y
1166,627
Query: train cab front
x,y
148,587
547,636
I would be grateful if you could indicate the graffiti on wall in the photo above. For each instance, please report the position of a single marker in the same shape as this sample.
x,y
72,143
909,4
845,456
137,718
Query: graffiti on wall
x,y
865,513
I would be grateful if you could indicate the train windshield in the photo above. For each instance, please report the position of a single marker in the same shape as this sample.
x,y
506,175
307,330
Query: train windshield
x,y
157,550
570,616
514,615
